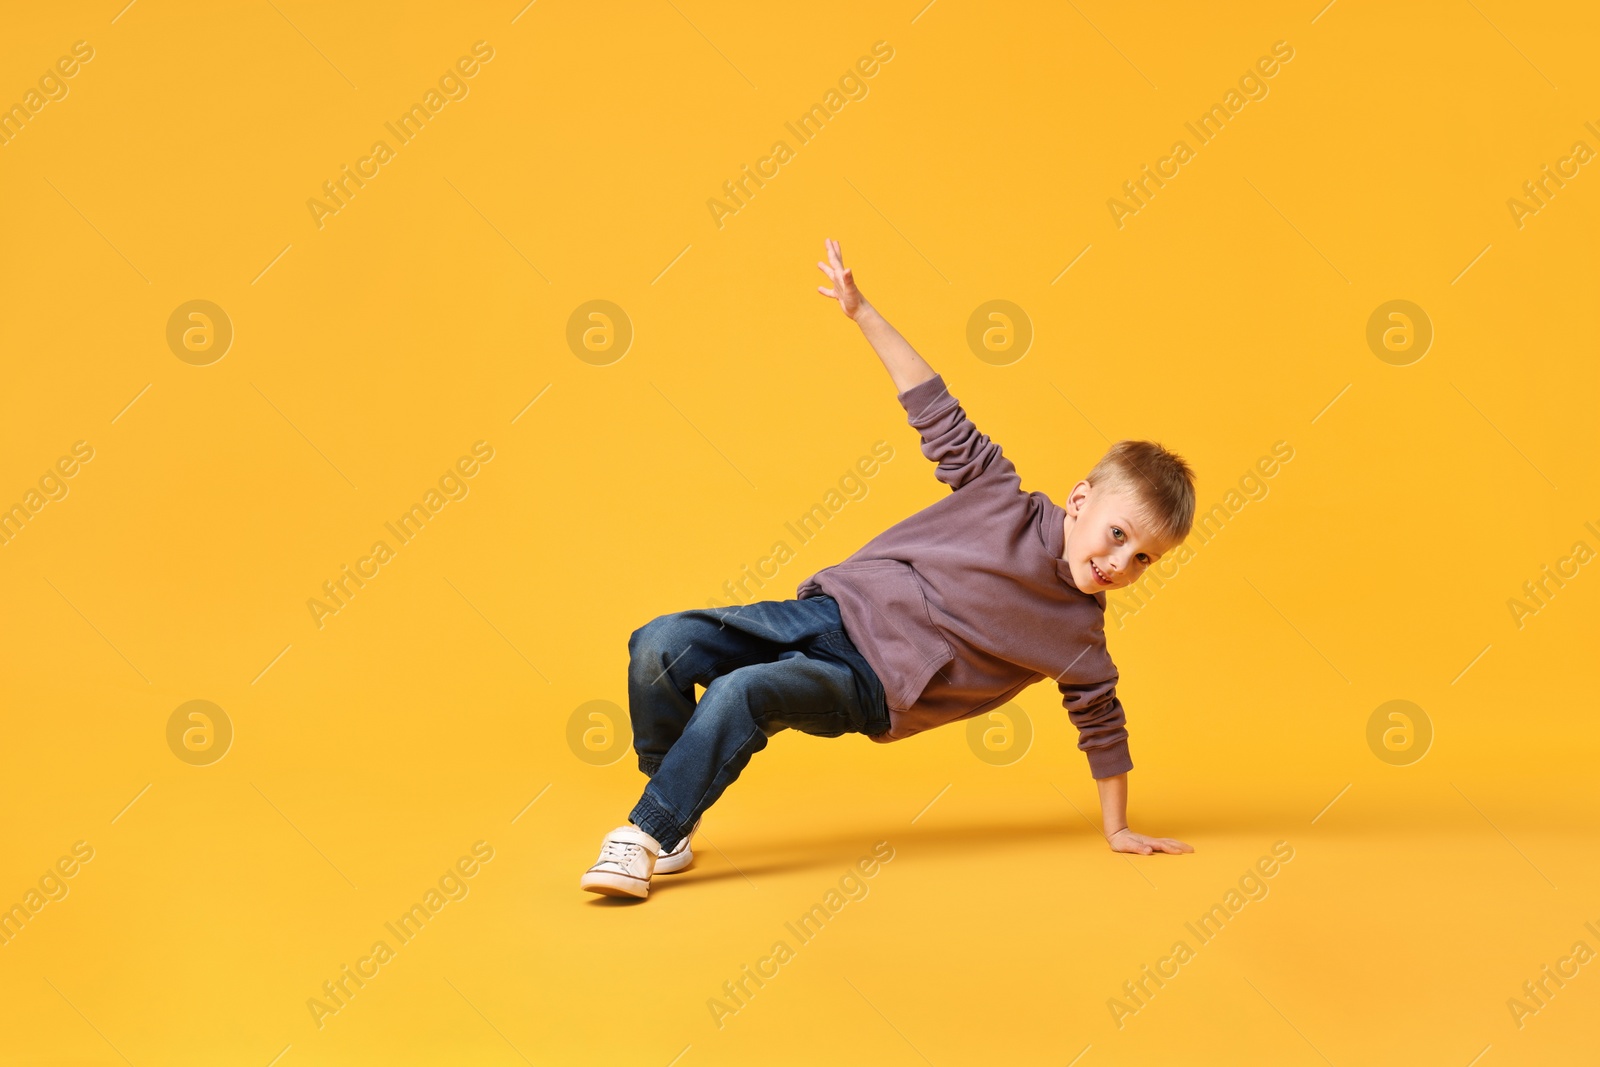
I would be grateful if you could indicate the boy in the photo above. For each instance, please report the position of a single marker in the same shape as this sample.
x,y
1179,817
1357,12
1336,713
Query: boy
x,y
945,615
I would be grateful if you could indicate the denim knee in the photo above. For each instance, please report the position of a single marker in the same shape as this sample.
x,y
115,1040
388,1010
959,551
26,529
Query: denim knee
x,y
737,693
650,649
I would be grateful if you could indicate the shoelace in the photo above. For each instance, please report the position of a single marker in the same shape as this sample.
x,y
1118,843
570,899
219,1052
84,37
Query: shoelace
x,y
622,852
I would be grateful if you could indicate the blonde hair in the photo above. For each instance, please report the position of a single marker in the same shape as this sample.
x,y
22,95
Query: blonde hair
x,y
1159,481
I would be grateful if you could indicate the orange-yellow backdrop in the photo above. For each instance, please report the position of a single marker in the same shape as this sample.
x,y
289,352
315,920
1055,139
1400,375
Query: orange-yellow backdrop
x,y
377,339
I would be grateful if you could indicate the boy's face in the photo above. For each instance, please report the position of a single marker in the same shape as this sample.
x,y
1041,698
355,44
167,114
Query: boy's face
x,y
1108,542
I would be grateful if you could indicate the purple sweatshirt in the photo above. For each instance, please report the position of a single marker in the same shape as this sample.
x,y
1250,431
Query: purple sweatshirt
x,y
966,603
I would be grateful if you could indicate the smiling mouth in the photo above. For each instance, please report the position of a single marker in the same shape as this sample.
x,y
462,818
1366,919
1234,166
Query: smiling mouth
x,y
1097,573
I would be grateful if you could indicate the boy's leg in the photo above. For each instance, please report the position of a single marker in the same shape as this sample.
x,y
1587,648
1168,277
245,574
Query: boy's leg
x,y
818,693
670,654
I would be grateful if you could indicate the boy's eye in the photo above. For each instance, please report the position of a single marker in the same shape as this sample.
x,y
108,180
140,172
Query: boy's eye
x,y
1118,531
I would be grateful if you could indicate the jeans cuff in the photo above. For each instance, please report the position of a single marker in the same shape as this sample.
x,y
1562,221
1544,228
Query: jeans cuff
x,y
656,821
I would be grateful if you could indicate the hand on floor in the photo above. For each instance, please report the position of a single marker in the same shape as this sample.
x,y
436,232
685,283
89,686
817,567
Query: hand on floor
x,y
1126,840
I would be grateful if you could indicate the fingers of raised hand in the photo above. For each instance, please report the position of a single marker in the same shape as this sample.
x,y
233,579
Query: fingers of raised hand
x,y
833,278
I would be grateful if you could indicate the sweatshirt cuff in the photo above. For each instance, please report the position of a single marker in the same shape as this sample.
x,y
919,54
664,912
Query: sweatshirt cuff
x,y
916,399
1110,761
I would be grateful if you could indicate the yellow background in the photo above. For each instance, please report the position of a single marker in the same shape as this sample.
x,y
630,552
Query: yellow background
x,y
369,754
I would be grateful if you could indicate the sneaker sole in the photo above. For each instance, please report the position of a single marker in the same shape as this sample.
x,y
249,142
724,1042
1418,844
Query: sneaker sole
x,y
673,864
669,862
611,884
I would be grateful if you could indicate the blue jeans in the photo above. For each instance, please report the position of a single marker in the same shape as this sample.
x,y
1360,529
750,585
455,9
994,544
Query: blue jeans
x,y
765,666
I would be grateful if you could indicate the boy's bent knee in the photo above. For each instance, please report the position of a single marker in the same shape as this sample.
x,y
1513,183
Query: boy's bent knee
x,y
648,644
644,633
661,642
661,632
746,695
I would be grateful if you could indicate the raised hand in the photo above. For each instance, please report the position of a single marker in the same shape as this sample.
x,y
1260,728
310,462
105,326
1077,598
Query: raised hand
x,y
844,290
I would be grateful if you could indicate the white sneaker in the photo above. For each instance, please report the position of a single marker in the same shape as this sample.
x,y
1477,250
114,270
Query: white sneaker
x,y
627,859
681,855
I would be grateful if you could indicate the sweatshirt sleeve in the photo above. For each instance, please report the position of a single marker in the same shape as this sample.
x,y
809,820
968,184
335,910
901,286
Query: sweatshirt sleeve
x,y
1102,726
949,438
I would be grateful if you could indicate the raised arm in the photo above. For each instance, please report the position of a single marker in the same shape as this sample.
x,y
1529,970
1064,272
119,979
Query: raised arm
x,y
964,455
905,367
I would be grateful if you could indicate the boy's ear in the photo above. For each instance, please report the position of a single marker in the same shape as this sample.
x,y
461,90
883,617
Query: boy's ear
x,y
1077,496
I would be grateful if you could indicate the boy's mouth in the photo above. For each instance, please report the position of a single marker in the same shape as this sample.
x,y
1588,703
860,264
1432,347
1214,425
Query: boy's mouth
x,y
1098,575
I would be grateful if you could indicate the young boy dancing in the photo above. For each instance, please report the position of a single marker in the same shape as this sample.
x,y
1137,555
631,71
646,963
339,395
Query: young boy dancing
x,y
943,616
